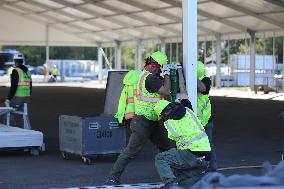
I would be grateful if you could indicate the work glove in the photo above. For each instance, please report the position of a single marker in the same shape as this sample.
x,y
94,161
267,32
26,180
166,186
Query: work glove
x,y
7,103
178,98
166,69
176,66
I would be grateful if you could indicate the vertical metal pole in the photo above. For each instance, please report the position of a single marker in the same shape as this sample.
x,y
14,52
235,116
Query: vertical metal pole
x,y
274,61
8,119
100,63
283,63
205,51
218,61
118,55
163,45
124,60
47,52
27,124
263,63
228,62
106,56
252,59
62,70
139,55
245,68
177,51
171,53
189,9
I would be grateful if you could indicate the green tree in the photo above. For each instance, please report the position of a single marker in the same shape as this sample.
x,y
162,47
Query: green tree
x,y
128,55
35,55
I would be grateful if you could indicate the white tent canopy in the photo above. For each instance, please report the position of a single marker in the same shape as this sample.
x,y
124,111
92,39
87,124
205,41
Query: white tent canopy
x,y
105,22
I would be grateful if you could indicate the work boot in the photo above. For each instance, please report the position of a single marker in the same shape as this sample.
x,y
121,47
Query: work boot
x,y
112,181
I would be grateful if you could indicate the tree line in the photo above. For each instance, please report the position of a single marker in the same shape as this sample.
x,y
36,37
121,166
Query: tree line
x,y
36,55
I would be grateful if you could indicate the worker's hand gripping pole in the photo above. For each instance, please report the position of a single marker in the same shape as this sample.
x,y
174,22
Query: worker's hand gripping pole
x,y
174,81
174,84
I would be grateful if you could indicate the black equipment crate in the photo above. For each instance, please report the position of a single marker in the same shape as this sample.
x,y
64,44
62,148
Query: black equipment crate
x,y
88,136
95,135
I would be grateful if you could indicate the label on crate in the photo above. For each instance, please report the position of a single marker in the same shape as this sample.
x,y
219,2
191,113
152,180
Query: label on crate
x,y
113,125
94,125
104,134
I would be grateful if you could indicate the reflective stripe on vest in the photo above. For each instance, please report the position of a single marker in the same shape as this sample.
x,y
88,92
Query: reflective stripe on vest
x,y
129,115
196,138
23,89
24,83
195,120
140,94
130,100
203,108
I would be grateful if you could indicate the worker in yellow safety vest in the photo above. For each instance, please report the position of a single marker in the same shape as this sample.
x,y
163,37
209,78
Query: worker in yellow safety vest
x,y
21,86
150,89
126,107
54,72
186,164
204,109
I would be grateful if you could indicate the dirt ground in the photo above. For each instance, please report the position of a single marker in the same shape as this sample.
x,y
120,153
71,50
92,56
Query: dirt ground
x,y
247,132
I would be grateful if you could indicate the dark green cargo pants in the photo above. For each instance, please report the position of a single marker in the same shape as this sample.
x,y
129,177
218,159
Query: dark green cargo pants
x,y
180,166
142,129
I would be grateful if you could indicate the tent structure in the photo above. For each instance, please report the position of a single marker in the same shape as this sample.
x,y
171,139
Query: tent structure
x,y
104,23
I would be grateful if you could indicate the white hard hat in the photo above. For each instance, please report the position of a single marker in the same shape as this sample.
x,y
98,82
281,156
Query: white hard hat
x,y
18,56
54,66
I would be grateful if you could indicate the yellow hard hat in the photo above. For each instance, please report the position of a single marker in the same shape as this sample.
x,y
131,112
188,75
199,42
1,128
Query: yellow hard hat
x,y
160,57
160,106
200,70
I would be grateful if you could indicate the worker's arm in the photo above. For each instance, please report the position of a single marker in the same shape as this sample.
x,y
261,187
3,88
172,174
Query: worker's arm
x,y
183,94
31,87
154,84
165,89
200,86
14,84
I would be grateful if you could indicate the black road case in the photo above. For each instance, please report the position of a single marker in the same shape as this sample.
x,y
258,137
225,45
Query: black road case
x,y
96,135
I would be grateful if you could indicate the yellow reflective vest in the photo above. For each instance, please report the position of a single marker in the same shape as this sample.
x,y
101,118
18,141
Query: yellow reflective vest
x,y
126,107
188,133
54,71
145,101
203,108
24,84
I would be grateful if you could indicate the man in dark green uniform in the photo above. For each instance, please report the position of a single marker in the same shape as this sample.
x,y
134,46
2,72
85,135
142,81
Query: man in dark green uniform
x,y
145,125
204,110
187,163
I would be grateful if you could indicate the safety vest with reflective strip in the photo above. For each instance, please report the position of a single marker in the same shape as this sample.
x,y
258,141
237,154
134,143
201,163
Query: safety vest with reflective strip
x,y
24,87
126,107
203,109
188,133
145,101
54,71
130,107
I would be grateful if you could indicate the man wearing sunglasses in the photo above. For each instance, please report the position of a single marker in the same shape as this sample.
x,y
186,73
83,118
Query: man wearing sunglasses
x,y
144,125
187,163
